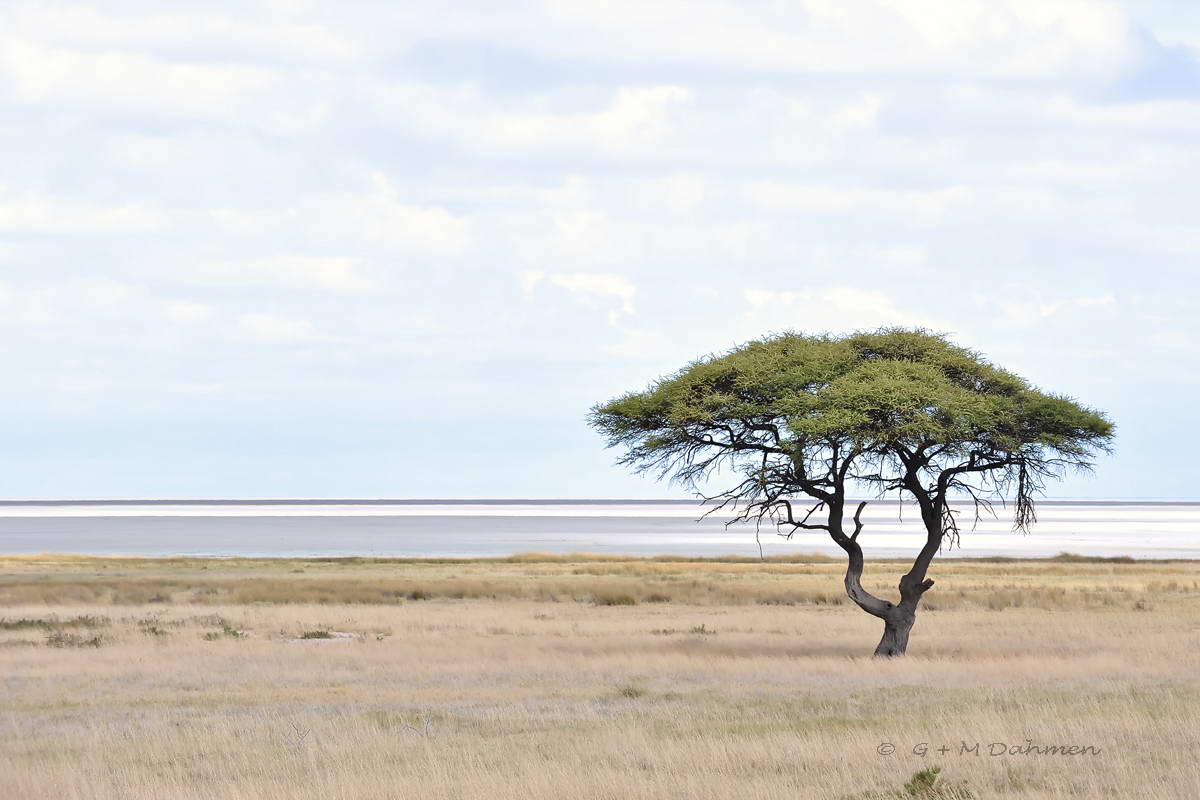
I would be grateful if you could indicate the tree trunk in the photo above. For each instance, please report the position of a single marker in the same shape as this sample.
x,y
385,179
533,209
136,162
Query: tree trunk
x,y
896,625
898,618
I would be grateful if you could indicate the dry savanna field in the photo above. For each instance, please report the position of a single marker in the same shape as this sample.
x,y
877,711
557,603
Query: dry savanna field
x,y
586,677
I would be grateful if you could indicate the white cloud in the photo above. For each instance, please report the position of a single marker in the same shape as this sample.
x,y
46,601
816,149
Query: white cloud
x,y
586,287
39,212
636,120
530,279
337,274
595,285
1059,108
370,221
266,328
1102,300
637,116
1157,236
85,302
1026,313
131,82
118,28
1172,340
670,123
925,207
1006,38
1010,38
834,309
639,344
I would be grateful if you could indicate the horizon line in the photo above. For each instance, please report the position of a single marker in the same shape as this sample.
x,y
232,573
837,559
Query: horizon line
x,y
301,501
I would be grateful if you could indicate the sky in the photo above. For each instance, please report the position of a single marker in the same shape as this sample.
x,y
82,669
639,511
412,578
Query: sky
x,y
375,249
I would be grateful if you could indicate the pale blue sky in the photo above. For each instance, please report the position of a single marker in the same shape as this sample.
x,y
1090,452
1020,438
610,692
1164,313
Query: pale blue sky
x,y
399,249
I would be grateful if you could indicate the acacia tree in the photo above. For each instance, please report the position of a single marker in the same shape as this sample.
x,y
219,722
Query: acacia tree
x,y
801,420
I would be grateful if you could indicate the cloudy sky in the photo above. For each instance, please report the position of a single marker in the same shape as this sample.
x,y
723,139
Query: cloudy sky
x,y
398,249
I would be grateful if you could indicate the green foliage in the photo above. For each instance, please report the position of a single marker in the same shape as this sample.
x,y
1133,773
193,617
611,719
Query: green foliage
x,y
890,387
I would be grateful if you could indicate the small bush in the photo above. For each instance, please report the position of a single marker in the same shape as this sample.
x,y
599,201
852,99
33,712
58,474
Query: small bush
x,y
316,635
631,691
615,600
227,632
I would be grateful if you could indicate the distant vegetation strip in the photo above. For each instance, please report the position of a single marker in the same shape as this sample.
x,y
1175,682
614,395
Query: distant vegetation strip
x,y
1066,582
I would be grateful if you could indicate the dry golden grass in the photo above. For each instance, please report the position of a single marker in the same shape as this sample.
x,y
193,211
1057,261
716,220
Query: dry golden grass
x,y
529,678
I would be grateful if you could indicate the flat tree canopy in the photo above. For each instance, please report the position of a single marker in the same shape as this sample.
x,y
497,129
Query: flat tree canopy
x,y
801,418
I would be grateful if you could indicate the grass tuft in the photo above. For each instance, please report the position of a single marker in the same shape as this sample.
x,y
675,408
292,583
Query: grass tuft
x,y
928,784
615,600
65,639
317,634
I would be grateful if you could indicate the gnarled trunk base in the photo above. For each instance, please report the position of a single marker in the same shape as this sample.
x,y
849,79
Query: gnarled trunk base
x,y
896,625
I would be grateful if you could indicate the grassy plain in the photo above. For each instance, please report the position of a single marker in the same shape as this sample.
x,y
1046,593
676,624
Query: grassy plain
x,y
587,677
